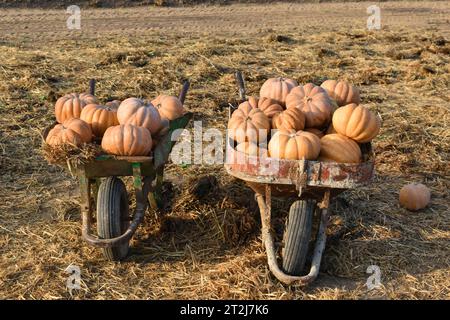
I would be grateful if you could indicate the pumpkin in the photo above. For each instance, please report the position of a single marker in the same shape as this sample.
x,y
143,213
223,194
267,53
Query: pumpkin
x,y
169,107
73,131
277,89
113,104
288,144
70,105
414,196
248,124
267,105
99,118
139,113
339,148
314,102
289,119
356,122
251,149
342,91
127,140
315,131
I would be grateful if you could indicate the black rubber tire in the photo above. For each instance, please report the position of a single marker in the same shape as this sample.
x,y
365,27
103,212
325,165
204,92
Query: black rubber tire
x,y
113,216
297,236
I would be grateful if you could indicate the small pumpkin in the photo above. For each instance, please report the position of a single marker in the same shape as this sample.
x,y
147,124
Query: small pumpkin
x,y
99,118
248,124
70,105
356,122
314,102
414,196
169,107
139,113
317,132
289,119
338,148
277,89
127,140
342,91
73,131
288,144
267,105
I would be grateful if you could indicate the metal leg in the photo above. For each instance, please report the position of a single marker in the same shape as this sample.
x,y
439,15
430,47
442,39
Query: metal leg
x,y
265,211
154,197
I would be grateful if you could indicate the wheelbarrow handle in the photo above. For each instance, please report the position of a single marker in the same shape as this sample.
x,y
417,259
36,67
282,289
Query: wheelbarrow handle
x,y
184,91
241,85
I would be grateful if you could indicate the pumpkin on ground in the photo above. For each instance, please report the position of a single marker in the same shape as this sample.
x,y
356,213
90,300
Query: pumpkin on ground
x,y
289,119
267,105
99,118
338,148
414,196
277,89
248,124
73,131
314,102
127,140
70,105
169,107
139,113
341,91
356,122
317,132
288,144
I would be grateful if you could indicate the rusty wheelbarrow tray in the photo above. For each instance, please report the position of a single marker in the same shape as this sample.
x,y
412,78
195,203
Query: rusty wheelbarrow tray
x,y
100,185
308,181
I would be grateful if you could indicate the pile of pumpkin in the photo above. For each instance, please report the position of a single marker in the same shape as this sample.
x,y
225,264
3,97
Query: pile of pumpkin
x,y
325,123
128,128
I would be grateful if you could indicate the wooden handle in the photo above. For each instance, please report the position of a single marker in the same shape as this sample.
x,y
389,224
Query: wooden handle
x,y
184,91
241,85
92,86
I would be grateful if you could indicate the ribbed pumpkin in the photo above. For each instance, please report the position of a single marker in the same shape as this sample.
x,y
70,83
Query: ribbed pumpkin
x,y
342,91
289,119
414,196
169,107
317,132
70,105
127,140
267,105
356,122
288,144
139,113
247,123
73,131
277,89
314,102
339,148
99,118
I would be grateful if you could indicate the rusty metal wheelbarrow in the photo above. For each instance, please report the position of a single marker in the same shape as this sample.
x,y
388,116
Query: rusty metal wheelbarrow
x,y
312,184
100,185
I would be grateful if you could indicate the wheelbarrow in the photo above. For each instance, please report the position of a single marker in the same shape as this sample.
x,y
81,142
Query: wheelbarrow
x,y
101,185
312,184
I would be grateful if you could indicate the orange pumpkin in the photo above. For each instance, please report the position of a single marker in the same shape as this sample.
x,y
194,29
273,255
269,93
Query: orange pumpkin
x,y
139,113
356,122
267,105
339,148
99,118
314,102
169,107
315,131
73,131
289,119
414,196
248,124
70,105
342,91
288,144
277,89
127,140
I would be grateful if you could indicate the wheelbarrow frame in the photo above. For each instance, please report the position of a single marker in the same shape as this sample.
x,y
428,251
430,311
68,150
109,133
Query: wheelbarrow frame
x,y
301,178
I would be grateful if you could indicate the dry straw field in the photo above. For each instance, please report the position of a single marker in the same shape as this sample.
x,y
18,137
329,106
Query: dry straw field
x,y
210,247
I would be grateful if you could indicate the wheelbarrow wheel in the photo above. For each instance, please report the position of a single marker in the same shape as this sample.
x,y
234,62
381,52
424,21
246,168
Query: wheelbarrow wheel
x,y
113,216
297,235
